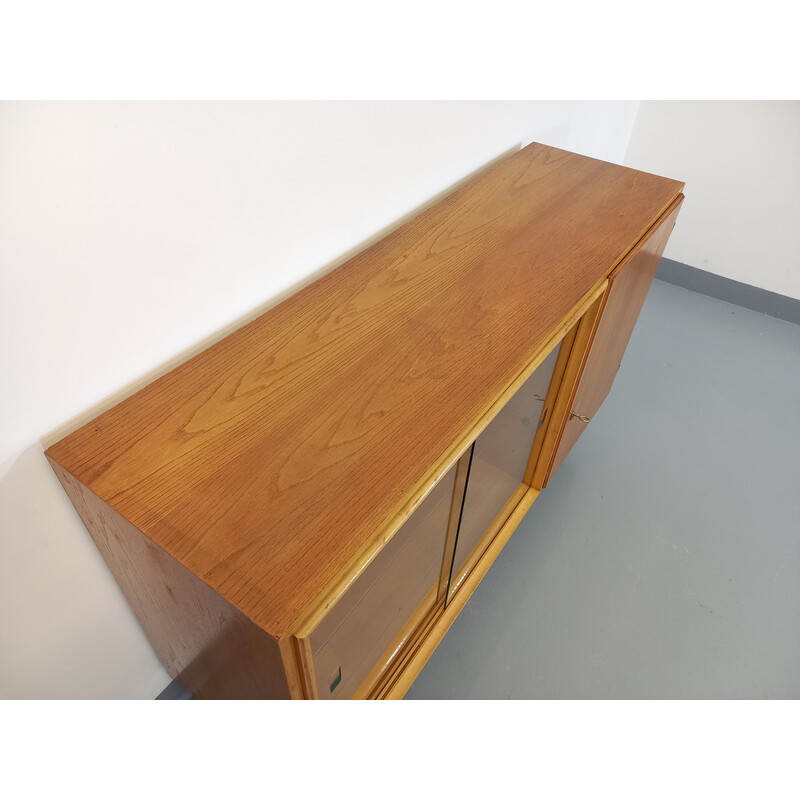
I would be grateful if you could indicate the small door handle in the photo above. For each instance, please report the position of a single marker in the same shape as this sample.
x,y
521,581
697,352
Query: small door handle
x,y
336,679
579,416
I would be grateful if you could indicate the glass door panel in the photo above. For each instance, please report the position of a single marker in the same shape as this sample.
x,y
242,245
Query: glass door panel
x,y
499,460
356,632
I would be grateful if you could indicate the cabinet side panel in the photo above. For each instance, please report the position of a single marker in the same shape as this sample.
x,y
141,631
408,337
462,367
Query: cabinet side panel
x,y
205,644
626,294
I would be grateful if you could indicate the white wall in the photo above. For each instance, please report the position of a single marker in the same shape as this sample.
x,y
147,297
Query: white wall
x,y
741,164
131,231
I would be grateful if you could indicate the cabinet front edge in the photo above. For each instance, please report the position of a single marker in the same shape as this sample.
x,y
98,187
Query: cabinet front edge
x,y
307,622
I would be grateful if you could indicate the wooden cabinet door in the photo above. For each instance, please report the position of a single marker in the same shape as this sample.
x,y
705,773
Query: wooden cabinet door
x,y
628,287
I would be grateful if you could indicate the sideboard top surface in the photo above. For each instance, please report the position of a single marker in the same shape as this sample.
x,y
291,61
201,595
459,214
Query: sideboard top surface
x,y
267,461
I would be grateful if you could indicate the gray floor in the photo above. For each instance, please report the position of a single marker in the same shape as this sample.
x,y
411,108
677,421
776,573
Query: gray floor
x,y
663,560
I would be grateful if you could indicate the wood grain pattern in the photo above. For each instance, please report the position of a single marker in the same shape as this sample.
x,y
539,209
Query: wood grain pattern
x,y
210,648
627,290
261,464
374,546
499,460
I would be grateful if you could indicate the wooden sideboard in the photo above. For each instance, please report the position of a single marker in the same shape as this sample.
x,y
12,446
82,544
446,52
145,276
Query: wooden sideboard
x,y
302,509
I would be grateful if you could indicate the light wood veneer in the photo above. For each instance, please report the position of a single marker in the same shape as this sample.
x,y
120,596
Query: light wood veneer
x,y
251,486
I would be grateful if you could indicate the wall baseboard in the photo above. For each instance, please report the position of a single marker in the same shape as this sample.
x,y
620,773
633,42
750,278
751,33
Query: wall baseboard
x,y
741,294
174,692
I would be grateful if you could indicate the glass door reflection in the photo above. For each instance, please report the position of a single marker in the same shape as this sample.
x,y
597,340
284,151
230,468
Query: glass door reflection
x,y
497,468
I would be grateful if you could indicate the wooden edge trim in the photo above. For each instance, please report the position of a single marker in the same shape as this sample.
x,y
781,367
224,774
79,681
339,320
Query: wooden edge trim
x,y
357,563
662,218
440,625
581,349
477,552
549,405
291,668
306,661
392,662
299,668
392,657
631,251
578,356
382,687
456,506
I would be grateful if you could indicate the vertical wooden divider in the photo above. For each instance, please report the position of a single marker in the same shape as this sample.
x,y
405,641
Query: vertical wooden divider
x,y
582,342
